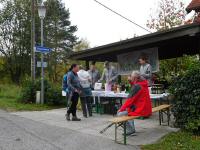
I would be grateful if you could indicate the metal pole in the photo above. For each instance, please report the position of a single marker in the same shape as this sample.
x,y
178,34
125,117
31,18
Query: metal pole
x,y
33,39
42,69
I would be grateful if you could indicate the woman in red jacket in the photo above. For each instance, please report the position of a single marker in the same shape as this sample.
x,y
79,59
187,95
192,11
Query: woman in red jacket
x,y
138,102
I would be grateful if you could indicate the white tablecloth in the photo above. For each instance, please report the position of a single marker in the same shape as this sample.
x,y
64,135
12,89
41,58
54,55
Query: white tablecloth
x,y
124,95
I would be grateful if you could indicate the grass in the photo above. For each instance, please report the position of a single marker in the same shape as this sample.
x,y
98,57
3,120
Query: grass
x,y
176,141
8,100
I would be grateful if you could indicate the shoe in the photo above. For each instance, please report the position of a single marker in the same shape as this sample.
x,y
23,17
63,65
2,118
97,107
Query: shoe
x,y
75,119
67,117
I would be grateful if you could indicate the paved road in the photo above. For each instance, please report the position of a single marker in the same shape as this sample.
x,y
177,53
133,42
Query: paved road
x,y
17,133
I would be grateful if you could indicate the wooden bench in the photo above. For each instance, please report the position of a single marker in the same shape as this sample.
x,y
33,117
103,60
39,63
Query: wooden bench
x,y
121,121
161,110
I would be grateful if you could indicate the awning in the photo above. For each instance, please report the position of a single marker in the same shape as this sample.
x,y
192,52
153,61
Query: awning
x,y
171,43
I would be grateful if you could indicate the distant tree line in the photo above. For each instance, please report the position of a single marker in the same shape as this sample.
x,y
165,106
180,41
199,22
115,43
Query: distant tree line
x,y
15,38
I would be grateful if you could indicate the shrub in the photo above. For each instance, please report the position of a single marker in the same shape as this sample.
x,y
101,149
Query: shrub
x,y
28,93
186,107
52,93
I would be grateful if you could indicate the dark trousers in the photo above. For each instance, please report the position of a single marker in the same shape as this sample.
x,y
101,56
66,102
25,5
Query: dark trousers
x,y
86,104
74,102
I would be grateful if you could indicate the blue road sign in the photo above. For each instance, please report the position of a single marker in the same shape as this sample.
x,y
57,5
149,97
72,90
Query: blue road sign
x,y
42,49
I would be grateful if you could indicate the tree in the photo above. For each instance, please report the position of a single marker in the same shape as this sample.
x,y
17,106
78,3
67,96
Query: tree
x,y
59,34
15,37
82,45
170,14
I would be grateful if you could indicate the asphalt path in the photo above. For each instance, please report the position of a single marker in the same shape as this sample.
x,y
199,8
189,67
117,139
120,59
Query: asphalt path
x,y
17,133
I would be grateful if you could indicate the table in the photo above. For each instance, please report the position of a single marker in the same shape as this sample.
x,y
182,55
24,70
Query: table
x,y
114,96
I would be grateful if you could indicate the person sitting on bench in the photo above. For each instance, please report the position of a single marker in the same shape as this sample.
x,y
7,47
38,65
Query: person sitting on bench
x,y
138,102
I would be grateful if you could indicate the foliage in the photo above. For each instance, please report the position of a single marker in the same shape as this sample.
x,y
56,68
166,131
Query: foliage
x,y
169,14
59,36
9,91
9,95
175,141
82,45
15,37
52,93
176,66
186,107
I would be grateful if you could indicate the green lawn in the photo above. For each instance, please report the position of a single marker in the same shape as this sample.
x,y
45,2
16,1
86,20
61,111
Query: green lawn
x,y
176,141
8,100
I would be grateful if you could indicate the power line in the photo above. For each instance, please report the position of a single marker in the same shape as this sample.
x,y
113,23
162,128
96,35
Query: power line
x,y
121,16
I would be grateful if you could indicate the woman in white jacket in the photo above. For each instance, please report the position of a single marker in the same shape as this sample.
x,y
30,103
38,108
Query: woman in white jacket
x,y
85,96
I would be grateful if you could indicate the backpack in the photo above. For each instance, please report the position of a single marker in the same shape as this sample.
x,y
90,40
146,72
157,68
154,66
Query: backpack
x,y
64,83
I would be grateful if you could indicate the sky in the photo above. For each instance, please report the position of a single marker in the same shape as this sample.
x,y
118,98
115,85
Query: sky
x,y
99,26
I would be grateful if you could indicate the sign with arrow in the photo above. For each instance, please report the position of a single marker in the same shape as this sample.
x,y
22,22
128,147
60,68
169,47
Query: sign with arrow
x,y
42,49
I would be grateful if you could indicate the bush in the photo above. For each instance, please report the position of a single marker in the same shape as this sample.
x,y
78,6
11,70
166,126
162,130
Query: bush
x,y
52,93
186,107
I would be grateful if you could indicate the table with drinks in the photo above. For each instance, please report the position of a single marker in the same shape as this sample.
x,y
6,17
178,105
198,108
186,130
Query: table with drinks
x,y
115,98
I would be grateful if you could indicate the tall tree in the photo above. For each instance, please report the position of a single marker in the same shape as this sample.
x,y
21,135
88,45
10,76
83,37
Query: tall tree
x,y
168,15
59,35
15,37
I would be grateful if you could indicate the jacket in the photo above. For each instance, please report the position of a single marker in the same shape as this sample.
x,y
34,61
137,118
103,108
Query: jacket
x,y
95,76
73,82
85,78
146,72
138,102
109,75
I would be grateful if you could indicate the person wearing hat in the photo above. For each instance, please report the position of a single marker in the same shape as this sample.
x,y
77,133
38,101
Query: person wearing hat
x,y
94,74
86,94
109,74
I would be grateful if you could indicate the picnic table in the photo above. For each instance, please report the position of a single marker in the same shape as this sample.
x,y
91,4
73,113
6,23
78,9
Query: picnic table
x,y
113,97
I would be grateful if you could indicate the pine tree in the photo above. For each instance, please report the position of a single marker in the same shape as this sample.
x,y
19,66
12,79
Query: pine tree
x,y
59,35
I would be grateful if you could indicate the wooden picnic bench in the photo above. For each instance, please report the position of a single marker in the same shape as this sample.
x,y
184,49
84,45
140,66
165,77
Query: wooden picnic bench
x,y
121,121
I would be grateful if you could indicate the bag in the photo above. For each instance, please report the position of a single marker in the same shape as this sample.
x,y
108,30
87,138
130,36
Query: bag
x,y
64,83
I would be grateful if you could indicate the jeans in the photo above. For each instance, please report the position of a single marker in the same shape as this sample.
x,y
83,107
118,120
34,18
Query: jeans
x,y
74,102
86,104
130,127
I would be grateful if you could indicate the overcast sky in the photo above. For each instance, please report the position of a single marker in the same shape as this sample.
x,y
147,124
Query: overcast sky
x,y
100,26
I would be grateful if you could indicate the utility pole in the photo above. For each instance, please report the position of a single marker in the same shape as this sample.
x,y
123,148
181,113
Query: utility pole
x,y
33,40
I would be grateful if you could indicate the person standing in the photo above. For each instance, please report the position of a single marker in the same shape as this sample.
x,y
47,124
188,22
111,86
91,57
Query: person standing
x,y
74,88
86,94
94,73
109,74
145,69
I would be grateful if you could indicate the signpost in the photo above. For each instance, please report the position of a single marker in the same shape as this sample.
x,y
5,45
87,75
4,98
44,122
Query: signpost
x,y
42,49
39,64
42,64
